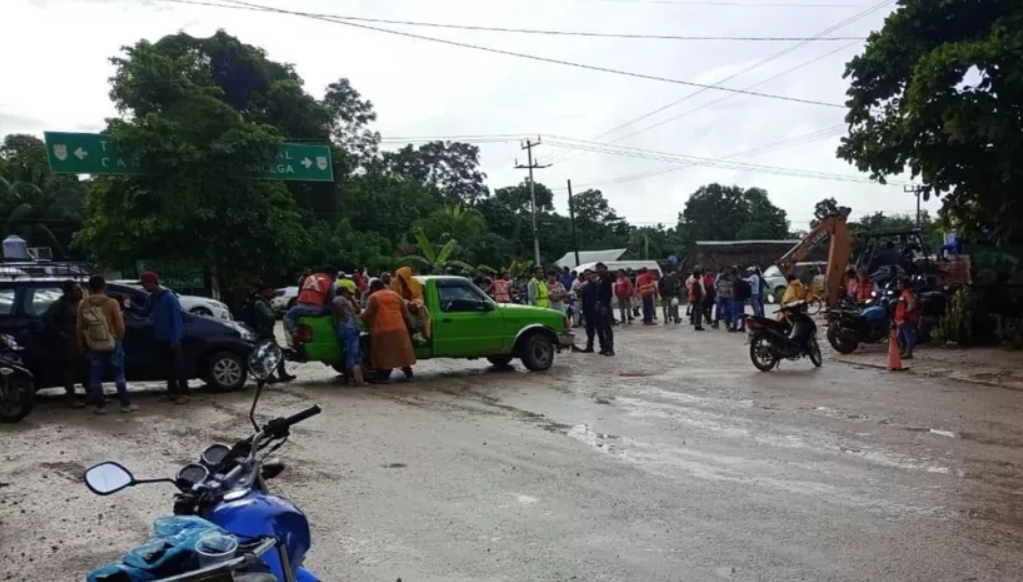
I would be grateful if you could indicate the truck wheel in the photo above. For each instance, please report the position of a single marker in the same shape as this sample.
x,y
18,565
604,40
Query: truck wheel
x,y
17,399
500,361
538,352
226,371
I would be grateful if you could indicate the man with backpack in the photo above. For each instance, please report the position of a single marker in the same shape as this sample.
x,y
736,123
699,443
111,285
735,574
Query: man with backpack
x,y
164,310
100,329
259,316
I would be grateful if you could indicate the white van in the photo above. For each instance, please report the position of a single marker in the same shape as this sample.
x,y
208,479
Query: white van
x,y
614,266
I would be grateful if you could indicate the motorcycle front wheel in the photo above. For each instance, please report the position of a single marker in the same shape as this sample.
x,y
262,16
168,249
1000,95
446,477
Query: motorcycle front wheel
x,y
814,350
17,399
761,352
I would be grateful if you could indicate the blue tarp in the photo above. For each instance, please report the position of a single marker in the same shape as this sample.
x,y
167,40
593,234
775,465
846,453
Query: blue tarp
x,y
169,551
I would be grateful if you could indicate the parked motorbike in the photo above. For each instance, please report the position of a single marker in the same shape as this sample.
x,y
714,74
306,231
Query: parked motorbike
x,y
228,488
771,341
852,325
17,384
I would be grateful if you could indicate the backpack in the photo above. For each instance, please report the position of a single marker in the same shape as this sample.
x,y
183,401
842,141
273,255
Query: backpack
x,y
97,330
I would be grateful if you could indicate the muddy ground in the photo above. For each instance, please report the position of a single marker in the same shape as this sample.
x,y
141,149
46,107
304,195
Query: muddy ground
x,y
673,461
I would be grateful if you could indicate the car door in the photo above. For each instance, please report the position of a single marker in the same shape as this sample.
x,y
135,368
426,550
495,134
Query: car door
x,y
468,323
140,355
32,334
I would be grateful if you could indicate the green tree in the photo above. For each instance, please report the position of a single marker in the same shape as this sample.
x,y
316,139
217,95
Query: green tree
x,y
717,212
43,208
437,259
450,167
194,126
937,93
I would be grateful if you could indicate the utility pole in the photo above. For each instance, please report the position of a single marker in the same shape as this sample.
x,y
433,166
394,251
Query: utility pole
x,y
918,191
571,217
528,146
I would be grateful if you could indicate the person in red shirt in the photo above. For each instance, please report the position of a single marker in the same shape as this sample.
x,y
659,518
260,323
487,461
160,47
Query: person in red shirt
x,y
623,293
907,317
502,289
646,289
314,298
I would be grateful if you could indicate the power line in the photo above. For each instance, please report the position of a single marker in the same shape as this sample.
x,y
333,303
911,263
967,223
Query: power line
x,y
653,155
774,146
591,34
538,58
826,31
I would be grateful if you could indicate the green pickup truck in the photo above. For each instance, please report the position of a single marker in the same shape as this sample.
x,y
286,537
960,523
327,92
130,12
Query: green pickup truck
x,y
465,323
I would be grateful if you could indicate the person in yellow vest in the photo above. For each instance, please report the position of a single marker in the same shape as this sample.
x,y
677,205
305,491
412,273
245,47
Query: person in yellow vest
x,y
537,291
796,291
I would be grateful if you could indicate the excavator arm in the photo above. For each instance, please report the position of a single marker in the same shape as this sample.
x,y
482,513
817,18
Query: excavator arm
x,y
833,227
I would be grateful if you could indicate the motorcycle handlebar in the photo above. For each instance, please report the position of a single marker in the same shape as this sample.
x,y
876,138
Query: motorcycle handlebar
x,y
280,426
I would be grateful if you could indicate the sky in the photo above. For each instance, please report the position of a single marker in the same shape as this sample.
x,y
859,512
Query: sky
x,y
424,89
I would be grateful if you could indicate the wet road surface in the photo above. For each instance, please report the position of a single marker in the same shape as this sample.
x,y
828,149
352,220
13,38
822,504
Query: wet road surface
x,y
676,460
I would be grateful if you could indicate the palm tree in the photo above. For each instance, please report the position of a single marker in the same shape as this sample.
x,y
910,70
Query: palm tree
x,y
453,222
43,217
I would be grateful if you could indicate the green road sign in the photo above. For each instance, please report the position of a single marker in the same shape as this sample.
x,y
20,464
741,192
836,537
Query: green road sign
x,y
93,153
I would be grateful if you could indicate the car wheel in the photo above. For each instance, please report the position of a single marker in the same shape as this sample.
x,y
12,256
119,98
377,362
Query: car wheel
x,y
500,361
17,399
225,371
537,352
201,311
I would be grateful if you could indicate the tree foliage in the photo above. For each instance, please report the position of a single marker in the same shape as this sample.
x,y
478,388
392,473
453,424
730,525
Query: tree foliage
x,y
938,92
717,212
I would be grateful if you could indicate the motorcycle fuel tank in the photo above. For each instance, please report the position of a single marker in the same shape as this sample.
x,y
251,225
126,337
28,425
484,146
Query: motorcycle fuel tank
x,y
262,514
875,313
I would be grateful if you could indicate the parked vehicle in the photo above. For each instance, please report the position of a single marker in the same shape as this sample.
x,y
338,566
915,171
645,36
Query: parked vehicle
x,y
265,536
466,323
771,341
284,299
17,384
852,325
194,304
213,350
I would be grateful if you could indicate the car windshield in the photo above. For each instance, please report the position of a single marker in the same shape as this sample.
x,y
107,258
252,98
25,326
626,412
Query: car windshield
x,y
773,271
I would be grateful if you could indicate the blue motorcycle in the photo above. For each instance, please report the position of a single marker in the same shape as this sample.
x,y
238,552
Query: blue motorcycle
x,y
262,537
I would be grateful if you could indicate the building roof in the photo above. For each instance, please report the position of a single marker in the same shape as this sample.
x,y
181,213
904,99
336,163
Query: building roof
x,y
590,257
710,243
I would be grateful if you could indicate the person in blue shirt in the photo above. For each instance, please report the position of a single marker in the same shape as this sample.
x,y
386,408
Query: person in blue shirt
x,y
164,310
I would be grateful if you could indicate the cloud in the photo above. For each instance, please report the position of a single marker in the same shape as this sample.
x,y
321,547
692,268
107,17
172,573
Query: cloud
x,y
421,88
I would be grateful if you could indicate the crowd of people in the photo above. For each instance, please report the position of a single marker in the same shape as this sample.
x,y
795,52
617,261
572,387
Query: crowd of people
x,y
87,334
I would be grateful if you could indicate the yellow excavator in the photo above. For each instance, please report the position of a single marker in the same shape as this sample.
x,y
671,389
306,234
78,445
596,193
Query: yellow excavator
x,y
834,227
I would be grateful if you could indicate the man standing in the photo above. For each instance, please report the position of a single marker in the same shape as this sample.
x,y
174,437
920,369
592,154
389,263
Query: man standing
x,y
741,293
623,293
60,320
907,317
723,286
263,322
163,308
605,294
756,284
556,293
536,291
646,288
577,290
314,298
100,330
586,287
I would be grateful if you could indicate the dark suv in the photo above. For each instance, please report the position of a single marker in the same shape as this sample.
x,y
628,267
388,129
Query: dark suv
x,y
214,351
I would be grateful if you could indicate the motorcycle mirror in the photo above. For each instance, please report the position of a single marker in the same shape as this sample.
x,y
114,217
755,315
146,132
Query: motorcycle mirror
x,y
109,477
263,360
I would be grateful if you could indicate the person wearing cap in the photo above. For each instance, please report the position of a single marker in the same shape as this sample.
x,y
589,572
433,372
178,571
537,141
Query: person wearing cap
x,y
164,311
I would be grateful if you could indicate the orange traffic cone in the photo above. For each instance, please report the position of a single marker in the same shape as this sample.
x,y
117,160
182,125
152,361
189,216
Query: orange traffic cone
x,y
894,357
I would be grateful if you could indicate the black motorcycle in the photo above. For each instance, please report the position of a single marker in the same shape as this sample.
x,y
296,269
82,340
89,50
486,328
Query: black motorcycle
x,y
771,341
851,325
17,384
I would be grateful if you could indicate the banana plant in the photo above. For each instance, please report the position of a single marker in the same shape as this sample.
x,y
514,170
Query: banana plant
x,y
437,259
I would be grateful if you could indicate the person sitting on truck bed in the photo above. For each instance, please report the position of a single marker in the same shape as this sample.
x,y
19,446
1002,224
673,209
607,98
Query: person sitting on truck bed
x,y
314,298
406,286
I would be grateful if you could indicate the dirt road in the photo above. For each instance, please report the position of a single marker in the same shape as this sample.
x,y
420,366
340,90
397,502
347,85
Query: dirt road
x,y
674,461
